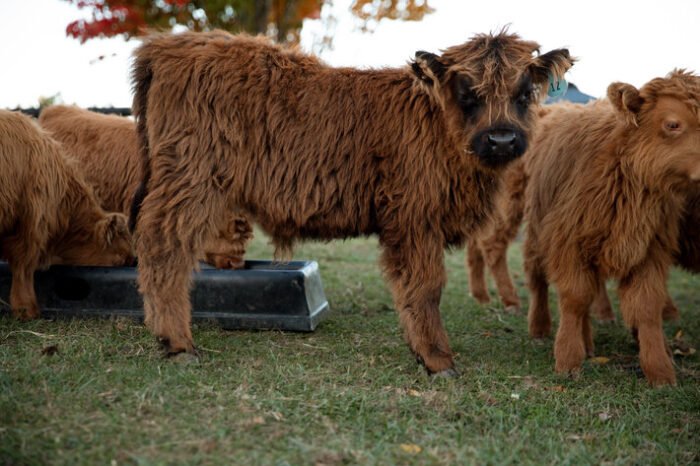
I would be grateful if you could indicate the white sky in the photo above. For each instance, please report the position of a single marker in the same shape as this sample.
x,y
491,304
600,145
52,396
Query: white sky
x,y
626,40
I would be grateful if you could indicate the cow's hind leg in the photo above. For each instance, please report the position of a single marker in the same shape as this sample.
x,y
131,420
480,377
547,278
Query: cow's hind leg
x,y
417,276
538,316
477,272
643,297
601,307
177,216
496,258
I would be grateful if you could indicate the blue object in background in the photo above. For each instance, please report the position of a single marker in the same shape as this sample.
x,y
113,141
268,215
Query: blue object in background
x,y
572,94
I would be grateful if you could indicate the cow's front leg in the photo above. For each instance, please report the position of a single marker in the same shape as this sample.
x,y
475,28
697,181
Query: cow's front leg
x,y
643,297
23,301
416,273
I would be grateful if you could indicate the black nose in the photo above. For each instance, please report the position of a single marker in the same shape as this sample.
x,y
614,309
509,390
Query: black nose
x,y
501,139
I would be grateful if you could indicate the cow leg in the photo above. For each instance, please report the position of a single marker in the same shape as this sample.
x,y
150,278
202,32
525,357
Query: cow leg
x,y
574,338
477,274
175,219
601,307
23,251
642,300
417,276
670,311
538,315
23,303
496,259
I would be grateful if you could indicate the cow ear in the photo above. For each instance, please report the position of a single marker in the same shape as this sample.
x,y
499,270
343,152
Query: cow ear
x,y
112,226
428,68
626,100
554,63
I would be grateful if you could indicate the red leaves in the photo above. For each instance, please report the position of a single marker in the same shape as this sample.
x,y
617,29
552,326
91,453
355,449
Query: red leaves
x,y
109,19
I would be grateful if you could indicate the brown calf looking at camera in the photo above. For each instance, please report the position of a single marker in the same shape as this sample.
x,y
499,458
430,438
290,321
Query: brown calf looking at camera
x,y
308,151
604,199
48,213
107,148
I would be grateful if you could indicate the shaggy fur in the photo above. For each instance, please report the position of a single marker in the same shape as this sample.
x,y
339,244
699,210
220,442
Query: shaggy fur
x,y
604,199
48,213
107,149
688,256
312,152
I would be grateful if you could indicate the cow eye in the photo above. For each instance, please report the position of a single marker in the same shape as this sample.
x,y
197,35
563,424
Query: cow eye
x,y
524,99
468,102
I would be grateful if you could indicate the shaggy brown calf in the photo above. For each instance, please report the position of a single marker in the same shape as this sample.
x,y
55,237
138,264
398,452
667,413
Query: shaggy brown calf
x,y
412,155
48,213
604,198
107,148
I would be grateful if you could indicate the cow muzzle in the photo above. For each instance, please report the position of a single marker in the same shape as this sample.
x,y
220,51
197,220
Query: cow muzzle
x,y
499,145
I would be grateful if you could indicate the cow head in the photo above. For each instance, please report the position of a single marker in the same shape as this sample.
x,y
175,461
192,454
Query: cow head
x,y
104,240
489,89
227,249
662,123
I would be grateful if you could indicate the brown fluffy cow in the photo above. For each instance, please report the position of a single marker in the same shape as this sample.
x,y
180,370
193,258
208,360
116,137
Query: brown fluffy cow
x,y
48,213
411,154
107,148
604,199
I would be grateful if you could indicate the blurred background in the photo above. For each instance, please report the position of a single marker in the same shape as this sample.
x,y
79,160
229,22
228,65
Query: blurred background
x,y
78,51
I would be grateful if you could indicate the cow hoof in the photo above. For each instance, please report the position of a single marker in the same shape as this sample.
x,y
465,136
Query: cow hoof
x,y
450,373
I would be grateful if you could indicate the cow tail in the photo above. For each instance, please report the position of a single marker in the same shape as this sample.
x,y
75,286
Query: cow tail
x,y
141,77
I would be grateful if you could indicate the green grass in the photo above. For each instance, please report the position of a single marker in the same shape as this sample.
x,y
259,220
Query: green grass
x,y
349,393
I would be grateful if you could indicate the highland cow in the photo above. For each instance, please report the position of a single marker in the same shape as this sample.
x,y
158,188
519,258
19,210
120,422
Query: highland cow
x,y
604,198
308,151
48,213
107,148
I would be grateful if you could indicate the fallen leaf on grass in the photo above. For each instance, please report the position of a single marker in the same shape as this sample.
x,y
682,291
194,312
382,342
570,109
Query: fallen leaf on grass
x,y
413,392
410,448
604,416
488,398
255,421
50,350
577,437
556,388
680,347
599,360
515,396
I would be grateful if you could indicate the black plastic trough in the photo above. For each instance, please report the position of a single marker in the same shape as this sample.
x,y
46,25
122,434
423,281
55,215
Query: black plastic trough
x,y
263,295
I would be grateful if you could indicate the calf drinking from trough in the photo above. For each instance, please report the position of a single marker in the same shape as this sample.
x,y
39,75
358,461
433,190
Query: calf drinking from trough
x,y
308,151
48,212
107,148
605,194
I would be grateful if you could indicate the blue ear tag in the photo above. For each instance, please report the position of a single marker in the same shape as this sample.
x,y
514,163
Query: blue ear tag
x,y
557,86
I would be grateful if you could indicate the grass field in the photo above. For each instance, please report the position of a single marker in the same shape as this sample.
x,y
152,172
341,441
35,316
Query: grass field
x,y
99,391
